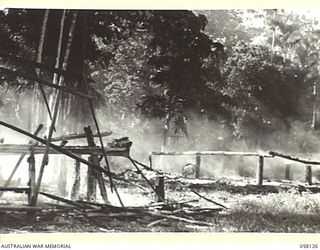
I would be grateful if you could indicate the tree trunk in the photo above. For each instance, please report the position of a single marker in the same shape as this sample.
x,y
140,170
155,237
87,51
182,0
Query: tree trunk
x,y
76,184
57,63
56,108
36,104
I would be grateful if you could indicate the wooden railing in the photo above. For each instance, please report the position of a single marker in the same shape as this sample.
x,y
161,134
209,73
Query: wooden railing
x,y
260,160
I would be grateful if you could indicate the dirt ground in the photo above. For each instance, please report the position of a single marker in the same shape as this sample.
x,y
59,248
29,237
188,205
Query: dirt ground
x,y
223,205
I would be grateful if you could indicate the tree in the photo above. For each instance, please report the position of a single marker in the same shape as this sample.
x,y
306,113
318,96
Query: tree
x,y
182,56
268,91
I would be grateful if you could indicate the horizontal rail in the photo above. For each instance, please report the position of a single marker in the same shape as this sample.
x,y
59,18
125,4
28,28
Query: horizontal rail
x,y
289,157
20,208
79,150
227,153
15,189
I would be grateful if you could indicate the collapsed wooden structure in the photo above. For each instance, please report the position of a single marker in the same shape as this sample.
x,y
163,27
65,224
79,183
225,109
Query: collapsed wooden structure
x,y
158,213
119,147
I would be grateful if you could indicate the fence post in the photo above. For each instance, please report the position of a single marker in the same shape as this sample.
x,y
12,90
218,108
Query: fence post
x,y
32,176
287,172
150,160
308,176
76,183
260,170
198,162
160,195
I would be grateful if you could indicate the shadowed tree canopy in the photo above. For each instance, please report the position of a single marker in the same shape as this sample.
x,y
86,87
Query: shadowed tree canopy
x,y
184,60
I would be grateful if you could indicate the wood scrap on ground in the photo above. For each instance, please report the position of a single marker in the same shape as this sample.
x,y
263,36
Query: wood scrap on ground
x,y
175,212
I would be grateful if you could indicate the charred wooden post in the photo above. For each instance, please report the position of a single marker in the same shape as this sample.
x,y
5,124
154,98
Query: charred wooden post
x,y
308,175
160,194
287,174
198,162
101,183
32,177
76,184
260,170
94,175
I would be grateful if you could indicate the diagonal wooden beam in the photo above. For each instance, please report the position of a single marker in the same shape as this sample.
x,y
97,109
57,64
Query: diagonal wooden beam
x,y
45,82
39,65
55,147
21,159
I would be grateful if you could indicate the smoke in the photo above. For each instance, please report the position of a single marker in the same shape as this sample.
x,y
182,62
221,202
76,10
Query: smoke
x,y
147,136
208,135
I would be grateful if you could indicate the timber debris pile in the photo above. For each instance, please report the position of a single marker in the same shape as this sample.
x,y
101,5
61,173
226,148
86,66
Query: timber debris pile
x,y
159,209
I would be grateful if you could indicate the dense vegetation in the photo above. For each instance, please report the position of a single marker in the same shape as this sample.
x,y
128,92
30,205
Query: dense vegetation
x,y
173,68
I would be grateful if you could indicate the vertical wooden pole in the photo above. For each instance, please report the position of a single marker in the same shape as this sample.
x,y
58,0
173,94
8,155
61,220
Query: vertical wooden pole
x,y
101,183
308,176
63,175
160,194
45,158
260,170
150,160
94,176
91,183
32,177
76,184
241,166
20,160
198,162
287,172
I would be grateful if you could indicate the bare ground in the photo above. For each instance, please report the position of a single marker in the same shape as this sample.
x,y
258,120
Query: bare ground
x,y
274,207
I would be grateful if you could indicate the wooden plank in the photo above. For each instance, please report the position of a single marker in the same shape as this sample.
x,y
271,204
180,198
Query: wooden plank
x,y
77,136
15,189
69,202
79,150
226,153
20,208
